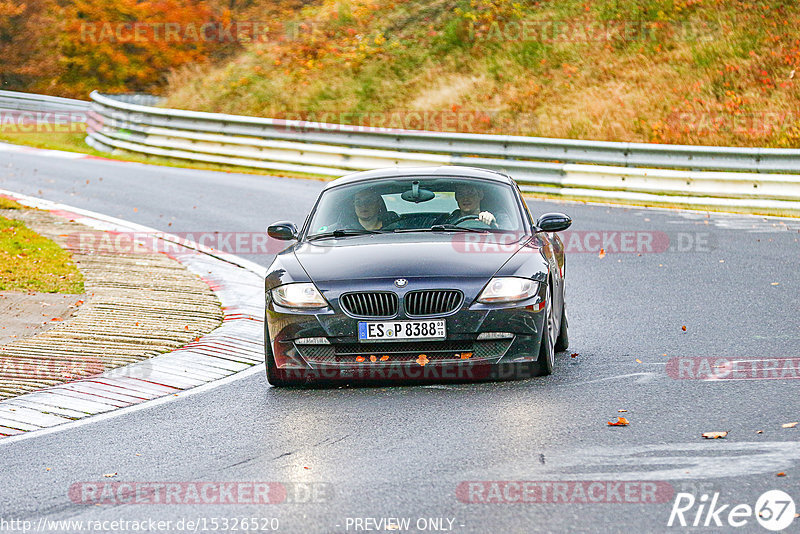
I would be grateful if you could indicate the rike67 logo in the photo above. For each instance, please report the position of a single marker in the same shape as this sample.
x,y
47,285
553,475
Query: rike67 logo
x,y
774,510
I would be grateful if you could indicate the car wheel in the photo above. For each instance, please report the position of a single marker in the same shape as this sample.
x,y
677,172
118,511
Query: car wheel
x,y
546,360
562,343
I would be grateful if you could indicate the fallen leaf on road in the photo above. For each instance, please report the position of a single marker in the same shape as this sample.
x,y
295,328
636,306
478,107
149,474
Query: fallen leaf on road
x,y
622,411
110,475
621,421
683,328
304,467
774,283
781,474
574,354
759,431
602,253
638,360
714,435
790,425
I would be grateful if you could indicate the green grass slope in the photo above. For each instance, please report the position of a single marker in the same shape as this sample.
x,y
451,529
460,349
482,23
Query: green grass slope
x,y
707,72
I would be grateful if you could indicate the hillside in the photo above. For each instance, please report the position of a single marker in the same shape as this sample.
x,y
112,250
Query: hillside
x,y
670,71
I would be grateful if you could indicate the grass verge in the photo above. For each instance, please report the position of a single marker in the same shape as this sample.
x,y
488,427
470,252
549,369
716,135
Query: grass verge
x,y
30,262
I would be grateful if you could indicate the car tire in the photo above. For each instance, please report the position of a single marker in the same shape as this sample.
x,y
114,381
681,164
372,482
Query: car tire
x,y
545,362
562,343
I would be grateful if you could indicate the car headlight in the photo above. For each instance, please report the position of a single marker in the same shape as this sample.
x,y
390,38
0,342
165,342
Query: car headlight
x,y
508,289
300,295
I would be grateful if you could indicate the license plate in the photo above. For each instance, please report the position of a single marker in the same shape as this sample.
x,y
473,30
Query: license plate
x,y
392,330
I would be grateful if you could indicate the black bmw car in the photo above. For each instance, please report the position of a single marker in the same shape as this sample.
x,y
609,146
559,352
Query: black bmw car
x,y
425,273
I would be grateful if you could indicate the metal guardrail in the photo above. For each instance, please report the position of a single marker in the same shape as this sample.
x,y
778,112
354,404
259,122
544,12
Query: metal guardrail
x,y
459,144
14,100
726,177
616,171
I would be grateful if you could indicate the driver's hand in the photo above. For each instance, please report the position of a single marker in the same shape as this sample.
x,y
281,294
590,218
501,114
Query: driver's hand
x,y
486,218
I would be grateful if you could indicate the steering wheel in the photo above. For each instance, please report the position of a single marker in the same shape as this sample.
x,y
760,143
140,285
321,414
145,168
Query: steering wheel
x,y
476,218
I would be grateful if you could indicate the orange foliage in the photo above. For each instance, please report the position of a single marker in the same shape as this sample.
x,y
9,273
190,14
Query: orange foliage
x,y
127,45
72,48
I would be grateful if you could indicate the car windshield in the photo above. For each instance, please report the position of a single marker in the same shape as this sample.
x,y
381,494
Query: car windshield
x,y
416,204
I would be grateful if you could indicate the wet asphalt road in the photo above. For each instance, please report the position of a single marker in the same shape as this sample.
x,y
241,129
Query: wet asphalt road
x,y
402,452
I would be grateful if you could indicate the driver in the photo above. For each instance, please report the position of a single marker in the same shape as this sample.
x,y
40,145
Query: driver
x,y
369,209
469,199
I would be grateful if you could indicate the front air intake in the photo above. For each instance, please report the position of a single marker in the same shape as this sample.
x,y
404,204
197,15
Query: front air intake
x,y
369,304
430,302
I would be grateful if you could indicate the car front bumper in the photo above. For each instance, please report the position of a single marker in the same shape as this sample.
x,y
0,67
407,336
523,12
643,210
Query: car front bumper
x,y
325,344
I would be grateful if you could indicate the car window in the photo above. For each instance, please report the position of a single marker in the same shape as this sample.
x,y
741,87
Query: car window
x,y
415,203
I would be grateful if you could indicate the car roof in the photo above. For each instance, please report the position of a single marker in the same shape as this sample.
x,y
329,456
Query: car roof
x,y
402,172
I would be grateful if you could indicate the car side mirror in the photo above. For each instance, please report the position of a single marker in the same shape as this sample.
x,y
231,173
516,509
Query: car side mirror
x,y
283,230
553,222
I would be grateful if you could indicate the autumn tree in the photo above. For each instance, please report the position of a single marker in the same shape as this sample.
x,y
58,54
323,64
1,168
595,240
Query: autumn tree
x,y
70,48
28,31
129,45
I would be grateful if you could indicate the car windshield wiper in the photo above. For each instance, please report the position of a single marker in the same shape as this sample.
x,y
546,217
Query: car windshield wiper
x,y
440,228
456,228
345,232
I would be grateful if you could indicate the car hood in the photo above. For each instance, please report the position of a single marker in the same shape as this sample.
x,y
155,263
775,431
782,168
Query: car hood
x,y
468,255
